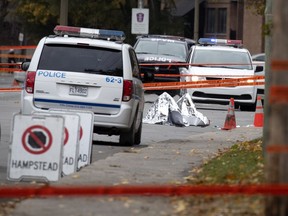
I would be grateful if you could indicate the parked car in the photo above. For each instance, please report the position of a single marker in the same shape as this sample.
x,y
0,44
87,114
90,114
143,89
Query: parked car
x,y
159,55
259,60
90,70
259,57
218,59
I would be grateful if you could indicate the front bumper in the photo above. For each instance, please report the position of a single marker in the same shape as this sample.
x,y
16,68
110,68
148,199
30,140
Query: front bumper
x,y
241,94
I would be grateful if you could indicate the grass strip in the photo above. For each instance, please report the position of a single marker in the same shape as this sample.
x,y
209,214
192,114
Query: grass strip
x,y
242,164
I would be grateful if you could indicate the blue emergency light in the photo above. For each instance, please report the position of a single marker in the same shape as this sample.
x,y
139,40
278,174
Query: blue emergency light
x,y
216,41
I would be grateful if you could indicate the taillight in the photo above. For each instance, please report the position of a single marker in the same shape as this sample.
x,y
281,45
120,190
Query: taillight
x,y
127,90
30,81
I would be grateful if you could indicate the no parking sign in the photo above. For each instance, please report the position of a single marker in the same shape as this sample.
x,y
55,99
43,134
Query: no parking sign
x,y
71,140
36,148
86,135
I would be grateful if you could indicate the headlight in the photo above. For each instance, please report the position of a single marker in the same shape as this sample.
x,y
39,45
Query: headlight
x,y
197,78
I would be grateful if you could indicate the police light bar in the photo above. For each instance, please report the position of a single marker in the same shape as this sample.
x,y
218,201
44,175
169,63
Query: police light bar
x,y
214,41
89,33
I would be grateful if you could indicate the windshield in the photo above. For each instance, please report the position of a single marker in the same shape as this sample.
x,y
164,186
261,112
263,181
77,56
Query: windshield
x,y
222,58
161,47
81,59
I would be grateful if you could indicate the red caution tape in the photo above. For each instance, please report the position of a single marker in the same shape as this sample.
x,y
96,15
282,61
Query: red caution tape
x,y
279,66
278,94
277,149
247,81
10,89
187,64
146,190
17,47
15,56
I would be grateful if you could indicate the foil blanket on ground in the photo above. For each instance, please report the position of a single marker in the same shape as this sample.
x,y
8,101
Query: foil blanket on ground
x,y
165,110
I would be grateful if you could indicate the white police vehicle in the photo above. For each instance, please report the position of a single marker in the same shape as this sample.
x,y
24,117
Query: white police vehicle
x,y
218,59
160,55
91,70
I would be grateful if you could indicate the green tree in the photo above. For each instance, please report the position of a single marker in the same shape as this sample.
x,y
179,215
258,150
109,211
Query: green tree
x,y
257,6
3,12
37,18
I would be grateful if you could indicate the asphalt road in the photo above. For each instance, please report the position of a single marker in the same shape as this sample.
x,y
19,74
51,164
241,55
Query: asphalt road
x,y
166,155
104,146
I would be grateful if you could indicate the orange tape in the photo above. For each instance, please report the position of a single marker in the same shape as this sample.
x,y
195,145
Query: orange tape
x,y
9,64
17,47
187,64
279,65
198,75
145,190
277,148
278,94
15,56
258,80
10,89
5,70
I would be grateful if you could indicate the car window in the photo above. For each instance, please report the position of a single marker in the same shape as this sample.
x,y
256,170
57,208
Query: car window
x,y
221,58
259,58
85,59
161,47
134,64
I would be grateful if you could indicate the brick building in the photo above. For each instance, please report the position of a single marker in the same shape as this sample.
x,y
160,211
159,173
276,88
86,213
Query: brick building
x,y
230,19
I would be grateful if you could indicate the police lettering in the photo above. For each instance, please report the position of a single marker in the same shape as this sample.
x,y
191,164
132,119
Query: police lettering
x,y
51,74
35,165
160,59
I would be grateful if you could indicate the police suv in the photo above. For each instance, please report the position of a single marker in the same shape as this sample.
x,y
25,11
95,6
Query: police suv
x,y
87,69
160,55
221,59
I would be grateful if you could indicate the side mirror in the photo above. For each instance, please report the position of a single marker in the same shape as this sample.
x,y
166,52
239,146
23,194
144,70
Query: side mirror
x,y
259,69
25,66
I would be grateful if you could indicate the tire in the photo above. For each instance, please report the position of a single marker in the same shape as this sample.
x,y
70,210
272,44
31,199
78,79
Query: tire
x,y
137,139
250,107
128,138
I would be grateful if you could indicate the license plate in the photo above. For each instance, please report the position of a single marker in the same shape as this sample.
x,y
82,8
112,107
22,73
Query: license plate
x,y
78,90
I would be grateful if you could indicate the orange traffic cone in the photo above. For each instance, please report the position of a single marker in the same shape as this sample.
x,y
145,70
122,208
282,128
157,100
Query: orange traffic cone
x,y
259,116
230,121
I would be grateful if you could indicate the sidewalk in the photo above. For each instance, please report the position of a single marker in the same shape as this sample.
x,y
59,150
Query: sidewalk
x,y
166,162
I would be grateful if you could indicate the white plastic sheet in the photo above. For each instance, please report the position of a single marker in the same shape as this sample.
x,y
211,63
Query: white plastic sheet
x,y
165,110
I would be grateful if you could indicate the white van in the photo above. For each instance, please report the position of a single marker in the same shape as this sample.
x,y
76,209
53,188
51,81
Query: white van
x,y
91,70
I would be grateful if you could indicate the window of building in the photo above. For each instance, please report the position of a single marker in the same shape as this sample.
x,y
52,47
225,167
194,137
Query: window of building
x,y
216,20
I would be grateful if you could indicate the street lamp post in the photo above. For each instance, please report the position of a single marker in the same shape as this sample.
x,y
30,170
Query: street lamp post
x,y
64,12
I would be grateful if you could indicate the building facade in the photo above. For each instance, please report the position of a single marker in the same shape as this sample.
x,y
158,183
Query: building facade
x,y
229,19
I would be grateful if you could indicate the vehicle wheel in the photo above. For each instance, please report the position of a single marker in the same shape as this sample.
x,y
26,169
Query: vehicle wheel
x,y
137,139
250,107
128,138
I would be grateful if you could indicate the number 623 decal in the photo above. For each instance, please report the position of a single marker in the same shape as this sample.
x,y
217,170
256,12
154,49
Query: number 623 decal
x,y
114,79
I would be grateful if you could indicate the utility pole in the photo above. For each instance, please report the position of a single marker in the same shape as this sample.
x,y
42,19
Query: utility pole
x,y
196,20
268,40
277,143
140,3
64,12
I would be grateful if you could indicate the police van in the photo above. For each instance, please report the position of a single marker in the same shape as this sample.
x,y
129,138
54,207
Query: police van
x,y
90,70
221,59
